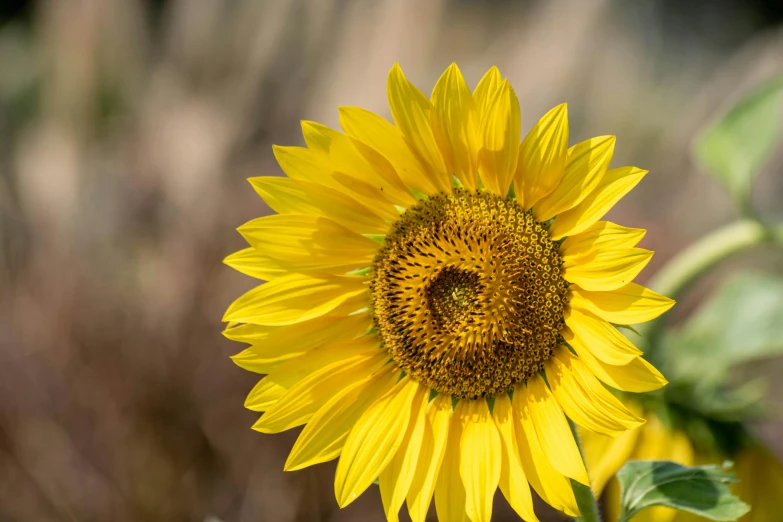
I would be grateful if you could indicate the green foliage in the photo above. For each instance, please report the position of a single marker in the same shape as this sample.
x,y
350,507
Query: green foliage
x,y
737,146
739,323
701,490
717,400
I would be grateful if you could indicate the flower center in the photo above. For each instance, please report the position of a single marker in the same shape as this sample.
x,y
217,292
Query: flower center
x,y
468,295
453,295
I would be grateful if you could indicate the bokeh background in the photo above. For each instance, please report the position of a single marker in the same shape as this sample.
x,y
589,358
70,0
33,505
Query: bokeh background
x,y
127,130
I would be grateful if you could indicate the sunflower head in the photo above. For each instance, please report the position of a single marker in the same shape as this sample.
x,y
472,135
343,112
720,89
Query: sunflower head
x,y
441,298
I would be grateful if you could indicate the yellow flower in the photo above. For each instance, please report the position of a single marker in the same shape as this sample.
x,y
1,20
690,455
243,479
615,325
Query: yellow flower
x,y
415,301
759,472
761,483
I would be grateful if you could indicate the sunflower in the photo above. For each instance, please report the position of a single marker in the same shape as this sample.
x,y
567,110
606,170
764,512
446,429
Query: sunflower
x,y
759,472
441,299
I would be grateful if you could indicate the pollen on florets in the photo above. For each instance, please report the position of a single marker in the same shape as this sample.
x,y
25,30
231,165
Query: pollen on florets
x,y
468,295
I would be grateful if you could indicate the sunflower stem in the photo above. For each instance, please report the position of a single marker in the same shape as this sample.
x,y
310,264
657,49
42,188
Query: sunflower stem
x,y
684,269
585,500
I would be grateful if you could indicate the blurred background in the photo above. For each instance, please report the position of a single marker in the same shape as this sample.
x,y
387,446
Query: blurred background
x,y
127,130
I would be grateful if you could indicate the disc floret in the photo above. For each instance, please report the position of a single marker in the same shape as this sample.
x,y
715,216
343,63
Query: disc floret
x,y
468,295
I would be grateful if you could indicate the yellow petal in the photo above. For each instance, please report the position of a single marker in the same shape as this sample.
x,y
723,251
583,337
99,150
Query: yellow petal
x,y
486,88
587,332
322,439
584,399
449,490
585,166
630,304
261,359
542,157
386,176
385,138
499,135
615,184
302,164
315,166
479,463
433,447
291,196
302,400
350,170
273,345
605,455
554,433
601,236
294,298
272,387
306,242
302,336
252,361
657,442
760,475
252,333
637,376
395,480
411,113
513,482
554,488
455,121
373,442
608,270
250,262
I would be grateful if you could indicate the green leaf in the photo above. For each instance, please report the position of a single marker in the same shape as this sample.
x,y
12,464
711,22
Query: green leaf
x,y
739,323
737,146
701,490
